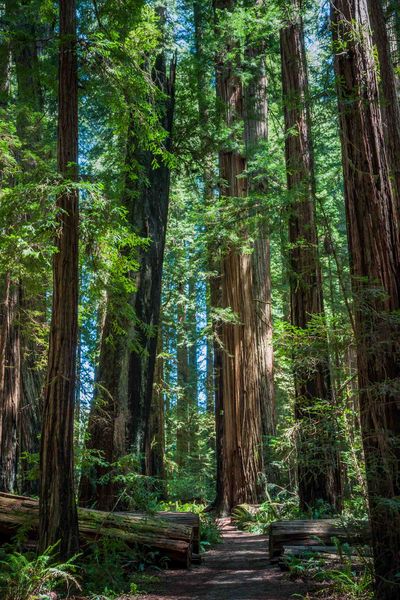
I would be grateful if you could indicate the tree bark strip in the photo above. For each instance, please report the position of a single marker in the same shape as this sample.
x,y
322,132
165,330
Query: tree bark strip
x,y
374,242
319,476
58,514
239,416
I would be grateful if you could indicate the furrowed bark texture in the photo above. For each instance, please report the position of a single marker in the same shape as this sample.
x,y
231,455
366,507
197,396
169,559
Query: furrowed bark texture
x,y
374,243
149,219
10,384
58,514
319,475
389,93
155,447
240,413
31,306
256,134
120,416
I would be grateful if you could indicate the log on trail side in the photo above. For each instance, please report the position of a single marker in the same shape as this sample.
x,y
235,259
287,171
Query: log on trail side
x,y
312,532
172,540
189,519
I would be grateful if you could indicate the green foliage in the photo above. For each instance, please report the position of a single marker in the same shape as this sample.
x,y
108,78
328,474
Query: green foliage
x,y
350,578
112,568
30,577
282,504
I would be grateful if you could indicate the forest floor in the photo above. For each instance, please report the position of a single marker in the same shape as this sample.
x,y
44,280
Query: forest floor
x,y
237,569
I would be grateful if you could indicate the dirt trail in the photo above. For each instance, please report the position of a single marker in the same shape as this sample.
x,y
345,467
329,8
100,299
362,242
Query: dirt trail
x,y
238,569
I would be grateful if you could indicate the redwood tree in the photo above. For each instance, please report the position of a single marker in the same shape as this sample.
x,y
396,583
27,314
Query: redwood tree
x,y
318,458
256,136
374,243
120,417
239,417
389,99
57,509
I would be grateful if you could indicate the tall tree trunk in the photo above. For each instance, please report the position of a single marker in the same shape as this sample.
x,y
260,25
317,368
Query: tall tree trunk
x,y
119,419
149,220
58,520
389,94
10,384
10,388
374,243
32,308
240,413
256,135
319,476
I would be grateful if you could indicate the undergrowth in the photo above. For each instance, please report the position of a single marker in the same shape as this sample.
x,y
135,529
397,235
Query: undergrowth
x,y
350,577
25,576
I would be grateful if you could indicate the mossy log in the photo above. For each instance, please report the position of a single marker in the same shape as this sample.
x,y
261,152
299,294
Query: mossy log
x,y
172,540
189,519
311,532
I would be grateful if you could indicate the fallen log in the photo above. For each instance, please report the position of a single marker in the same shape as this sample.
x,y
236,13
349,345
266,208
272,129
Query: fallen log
x,y
172,540
312,532
188,519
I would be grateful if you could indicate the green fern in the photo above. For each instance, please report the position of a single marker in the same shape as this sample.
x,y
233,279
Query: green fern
x,y
28,577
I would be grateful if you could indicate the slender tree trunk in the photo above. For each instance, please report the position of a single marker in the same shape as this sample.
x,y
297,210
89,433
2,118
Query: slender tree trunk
x,y
374,243
58,520
240,413
319,476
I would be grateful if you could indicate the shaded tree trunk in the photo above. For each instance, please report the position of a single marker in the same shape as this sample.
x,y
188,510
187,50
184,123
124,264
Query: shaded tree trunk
x,y
155,448
389,93
119,419
319,473
149,219
240,413
32,307
10,384
58,520
10,388
374,244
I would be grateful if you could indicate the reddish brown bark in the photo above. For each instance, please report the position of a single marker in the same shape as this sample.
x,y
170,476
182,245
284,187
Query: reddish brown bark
x,y
319,475
155,447
10,384
239,410
389,93
256,135
58,514
374,243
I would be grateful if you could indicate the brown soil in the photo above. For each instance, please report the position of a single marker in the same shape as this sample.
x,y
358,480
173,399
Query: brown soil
x,y
238,569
